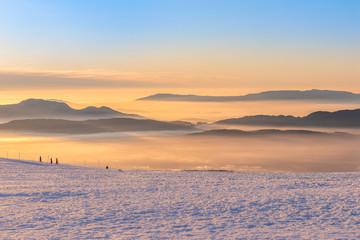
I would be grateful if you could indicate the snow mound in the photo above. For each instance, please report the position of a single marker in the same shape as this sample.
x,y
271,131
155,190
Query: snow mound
x,y
43,201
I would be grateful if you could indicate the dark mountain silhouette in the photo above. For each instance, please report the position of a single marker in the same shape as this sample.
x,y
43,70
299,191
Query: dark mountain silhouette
x,y
295,95
266,132
38,108
61,126
342,118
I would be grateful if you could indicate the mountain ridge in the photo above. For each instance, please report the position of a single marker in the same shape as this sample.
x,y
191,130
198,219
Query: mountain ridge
x,y
293,95
341,118
40,108
61,126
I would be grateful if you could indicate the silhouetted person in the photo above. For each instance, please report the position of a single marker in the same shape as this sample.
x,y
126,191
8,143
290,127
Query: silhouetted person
x,y
107,167
40,159
50,160
56,161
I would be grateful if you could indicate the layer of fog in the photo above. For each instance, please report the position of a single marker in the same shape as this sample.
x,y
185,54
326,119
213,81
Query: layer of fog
x,y
138,151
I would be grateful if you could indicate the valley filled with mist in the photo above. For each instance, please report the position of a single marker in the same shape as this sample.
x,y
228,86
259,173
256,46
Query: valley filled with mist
x,y
100,136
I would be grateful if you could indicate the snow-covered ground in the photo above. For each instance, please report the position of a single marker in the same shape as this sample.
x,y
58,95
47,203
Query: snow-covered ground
x,y
43,201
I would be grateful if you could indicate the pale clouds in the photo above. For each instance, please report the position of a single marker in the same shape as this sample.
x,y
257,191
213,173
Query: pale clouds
x,y
71,80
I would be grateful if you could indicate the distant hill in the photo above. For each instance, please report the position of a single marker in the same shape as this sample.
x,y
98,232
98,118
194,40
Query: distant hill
x,y
38,108
60,126
265,132
291,95
342,118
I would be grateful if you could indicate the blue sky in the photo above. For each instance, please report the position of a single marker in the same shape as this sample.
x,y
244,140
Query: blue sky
x,y
276,20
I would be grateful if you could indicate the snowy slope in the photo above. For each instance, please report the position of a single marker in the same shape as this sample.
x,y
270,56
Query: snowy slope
x,y
43,201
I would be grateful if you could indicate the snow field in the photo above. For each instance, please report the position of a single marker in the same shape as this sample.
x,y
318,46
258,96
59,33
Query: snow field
x,y
43,201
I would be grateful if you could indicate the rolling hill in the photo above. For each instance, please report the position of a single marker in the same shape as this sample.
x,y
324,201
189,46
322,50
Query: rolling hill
x,y
39,108
286,95
342,118
60,126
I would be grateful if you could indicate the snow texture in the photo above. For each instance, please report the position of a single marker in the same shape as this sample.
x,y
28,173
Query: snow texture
x,y
43,201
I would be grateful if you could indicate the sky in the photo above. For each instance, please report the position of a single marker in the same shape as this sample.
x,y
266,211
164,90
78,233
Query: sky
x,y
137,47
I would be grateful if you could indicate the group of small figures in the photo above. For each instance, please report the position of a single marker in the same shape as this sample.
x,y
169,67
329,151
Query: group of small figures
x,y
51,161
57,161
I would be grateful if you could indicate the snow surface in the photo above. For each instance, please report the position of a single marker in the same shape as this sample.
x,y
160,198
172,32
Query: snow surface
x,y
43,201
